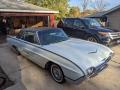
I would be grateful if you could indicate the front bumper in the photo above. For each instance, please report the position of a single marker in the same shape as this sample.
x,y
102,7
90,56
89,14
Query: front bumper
x,y
98,70
114,42
110,42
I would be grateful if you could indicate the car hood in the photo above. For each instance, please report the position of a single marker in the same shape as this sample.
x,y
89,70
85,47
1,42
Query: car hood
x,y
83,53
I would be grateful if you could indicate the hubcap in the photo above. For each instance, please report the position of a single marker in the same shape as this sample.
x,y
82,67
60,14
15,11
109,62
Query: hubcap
x,y
56,73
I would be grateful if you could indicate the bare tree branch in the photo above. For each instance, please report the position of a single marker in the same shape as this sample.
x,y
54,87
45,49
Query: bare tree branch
x,y
100,5
85,4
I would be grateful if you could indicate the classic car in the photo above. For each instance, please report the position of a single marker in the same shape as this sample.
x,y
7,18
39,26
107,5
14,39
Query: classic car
x,y
67,59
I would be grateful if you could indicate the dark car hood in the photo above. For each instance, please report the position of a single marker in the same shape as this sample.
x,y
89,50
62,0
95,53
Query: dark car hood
x,y
101,29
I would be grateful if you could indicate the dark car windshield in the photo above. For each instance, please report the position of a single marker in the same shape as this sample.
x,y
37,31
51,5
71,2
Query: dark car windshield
x,y
52,36
92,22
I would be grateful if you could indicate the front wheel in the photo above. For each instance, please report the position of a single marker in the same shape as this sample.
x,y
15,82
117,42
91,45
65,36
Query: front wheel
x,y
57,74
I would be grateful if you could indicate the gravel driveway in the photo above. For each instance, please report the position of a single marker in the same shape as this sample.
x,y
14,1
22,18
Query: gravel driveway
x,y
28,76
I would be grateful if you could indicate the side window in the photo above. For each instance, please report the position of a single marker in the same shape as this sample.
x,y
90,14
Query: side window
x,y
69,22
20,35
78,23
30,37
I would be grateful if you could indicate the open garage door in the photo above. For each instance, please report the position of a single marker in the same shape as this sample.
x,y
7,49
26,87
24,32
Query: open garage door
x,y
15,23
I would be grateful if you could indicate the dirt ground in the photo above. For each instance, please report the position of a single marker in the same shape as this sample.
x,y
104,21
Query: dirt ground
x,y
28,76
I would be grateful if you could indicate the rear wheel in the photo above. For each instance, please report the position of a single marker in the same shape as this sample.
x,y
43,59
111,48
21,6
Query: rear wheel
x,y
57,73
92,39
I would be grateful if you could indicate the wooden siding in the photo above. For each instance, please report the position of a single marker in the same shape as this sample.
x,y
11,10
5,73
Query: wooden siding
x,y
114,19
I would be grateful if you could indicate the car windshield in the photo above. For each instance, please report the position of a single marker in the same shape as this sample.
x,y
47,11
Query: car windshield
x,y
92,22
52,36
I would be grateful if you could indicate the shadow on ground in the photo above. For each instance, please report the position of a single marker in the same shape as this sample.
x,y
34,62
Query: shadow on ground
x,y
11,67
4,80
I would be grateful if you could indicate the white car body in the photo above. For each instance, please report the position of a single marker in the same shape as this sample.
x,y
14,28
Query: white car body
x,y
78,59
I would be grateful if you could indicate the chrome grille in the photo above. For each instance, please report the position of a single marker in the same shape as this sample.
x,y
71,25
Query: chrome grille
x,y
115,35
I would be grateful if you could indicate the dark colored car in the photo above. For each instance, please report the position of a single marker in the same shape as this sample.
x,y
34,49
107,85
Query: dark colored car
x,y
89,29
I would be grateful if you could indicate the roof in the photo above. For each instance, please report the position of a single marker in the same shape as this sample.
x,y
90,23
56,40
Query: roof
x,y
21,6
113,9
100,14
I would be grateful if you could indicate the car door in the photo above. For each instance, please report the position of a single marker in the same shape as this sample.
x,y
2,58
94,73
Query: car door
x,y
20,41
27,42
31,49
78,29
68,26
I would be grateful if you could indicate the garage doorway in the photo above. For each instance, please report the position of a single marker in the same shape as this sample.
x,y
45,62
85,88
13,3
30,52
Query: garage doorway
x,y
15,23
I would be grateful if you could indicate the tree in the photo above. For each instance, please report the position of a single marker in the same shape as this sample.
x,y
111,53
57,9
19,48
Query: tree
x,y
35,2
100,5
85,4
88,12
60,5
74,12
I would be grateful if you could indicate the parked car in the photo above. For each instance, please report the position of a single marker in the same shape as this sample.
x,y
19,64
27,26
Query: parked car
x,y
89,29
69,59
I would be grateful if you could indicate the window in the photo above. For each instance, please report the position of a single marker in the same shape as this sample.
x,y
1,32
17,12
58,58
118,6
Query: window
x,y
92,22
78,23
52,36
20,35
69,22
30,37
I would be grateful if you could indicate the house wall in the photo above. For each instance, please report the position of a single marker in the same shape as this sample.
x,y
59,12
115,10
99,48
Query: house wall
x,y
114,19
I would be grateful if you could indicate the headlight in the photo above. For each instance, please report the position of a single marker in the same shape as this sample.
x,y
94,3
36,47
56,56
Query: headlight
x,y
104,33
90,70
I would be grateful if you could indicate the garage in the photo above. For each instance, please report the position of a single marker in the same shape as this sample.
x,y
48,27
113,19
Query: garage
x,y
18,14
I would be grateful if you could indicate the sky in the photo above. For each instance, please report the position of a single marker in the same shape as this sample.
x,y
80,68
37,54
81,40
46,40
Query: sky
x,y
111,3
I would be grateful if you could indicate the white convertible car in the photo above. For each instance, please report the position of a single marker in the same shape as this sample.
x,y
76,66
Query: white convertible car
x,y
67,59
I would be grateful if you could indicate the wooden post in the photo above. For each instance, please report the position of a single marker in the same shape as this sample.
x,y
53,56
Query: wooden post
x,y
52,21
